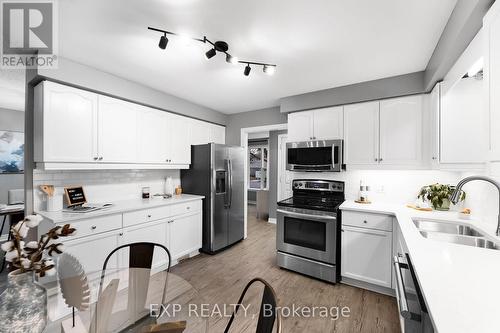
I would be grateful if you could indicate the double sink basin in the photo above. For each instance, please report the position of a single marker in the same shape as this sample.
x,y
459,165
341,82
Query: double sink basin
x,y
456,233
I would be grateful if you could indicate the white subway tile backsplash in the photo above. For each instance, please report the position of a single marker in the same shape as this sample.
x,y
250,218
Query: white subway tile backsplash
x,y
104,186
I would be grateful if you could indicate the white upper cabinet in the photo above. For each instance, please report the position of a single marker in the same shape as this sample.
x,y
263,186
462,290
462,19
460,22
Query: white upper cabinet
x,y
320,124
491,30
329,123
361,133
434,114
77,129
66,124
152,136
117,130
301,126
200,132
217,134
401,130
178,142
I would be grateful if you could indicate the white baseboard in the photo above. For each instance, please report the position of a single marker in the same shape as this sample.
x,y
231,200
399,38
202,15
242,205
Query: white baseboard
x,y
271,220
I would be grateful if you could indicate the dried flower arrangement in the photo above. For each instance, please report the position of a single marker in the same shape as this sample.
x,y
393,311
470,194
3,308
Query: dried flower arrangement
x,y
35,256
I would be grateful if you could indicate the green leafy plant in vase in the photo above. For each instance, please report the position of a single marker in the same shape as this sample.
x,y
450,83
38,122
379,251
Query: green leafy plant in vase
x,y
439,195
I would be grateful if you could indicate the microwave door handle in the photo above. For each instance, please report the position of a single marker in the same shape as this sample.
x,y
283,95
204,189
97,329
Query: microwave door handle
x,y
400,290
333,155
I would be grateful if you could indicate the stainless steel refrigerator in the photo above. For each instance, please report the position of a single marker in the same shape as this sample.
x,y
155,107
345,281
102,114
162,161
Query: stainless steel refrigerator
x,y
217,172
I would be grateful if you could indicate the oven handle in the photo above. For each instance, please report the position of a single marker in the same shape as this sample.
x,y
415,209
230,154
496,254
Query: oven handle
x,y
400,289
311,217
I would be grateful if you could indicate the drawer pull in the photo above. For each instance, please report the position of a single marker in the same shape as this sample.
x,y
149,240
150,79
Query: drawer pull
x,y
93,227
121,234
149,216
365,221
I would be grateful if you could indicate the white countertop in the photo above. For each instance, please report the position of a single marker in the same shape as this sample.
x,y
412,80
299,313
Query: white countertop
x,y
119,207
460,284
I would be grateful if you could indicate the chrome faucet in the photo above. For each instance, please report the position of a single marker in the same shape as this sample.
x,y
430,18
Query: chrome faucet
x,y
455,197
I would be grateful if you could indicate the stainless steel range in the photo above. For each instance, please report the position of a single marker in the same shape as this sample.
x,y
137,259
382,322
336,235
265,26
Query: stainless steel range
x,y
308,230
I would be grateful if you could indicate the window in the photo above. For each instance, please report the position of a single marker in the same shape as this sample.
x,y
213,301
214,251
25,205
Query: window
x,y
258,165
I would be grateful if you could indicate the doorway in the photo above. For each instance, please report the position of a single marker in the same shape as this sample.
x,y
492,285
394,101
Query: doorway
x,y
267,175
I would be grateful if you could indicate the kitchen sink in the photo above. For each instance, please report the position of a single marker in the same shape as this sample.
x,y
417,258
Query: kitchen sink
x,y
460,239
447,228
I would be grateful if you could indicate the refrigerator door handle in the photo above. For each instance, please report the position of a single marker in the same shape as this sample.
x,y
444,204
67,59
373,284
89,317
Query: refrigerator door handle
x,y
226,182
230,170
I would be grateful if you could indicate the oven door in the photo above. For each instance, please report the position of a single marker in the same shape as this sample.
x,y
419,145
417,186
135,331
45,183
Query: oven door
x,y
307,233
322,155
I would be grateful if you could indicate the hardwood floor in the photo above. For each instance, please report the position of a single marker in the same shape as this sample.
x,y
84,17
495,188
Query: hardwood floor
x,y
221,278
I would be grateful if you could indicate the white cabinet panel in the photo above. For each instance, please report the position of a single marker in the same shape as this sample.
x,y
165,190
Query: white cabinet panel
x,y
434,115
462,125
329,123
200,132
186,233
491,30
178,139
217,134
301,126
366,255
66,121
401,130
361,128
92,251
153,232
117,130
152,136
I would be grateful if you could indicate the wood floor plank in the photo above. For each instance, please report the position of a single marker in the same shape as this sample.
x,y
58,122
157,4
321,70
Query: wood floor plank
x,y
221,278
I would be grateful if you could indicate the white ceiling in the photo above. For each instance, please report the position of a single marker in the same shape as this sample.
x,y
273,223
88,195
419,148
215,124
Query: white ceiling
x,y
317,44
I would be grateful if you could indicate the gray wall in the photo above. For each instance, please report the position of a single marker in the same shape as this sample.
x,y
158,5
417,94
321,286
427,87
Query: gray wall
x,y
82,76
464,23
236,122
395,86
273,171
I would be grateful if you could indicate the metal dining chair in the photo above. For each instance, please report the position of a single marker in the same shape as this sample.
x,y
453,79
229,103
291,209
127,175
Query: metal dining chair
x,y
140,262
265,323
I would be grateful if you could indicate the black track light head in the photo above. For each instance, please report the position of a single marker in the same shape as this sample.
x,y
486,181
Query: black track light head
x,y
210,53
163,42
247,70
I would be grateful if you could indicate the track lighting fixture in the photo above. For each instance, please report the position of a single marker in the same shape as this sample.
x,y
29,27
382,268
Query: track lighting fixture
x,y
247,70
163,42
218,46
210,53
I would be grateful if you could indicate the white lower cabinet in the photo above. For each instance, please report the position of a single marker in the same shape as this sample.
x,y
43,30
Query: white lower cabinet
x,y
185,234
153,232
91,251
366,248
178,227
366,255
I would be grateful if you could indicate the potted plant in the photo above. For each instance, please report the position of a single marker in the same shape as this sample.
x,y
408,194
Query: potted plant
x,y
23,304
439,195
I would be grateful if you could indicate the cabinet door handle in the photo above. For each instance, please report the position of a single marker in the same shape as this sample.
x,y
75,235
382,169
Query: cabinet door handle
x,y
121,234
149,216
170,221
365,221
376,159
380,159
95,158
188,207
100,158
93,227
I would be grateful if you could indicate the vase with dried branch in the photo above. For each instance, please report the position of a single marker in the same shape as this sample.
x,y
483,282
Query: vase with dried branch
x,y
23,304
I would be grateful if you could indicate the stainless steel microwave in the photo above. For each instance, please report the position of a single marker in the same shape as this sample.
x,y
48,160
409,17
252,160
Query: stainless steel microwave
x,y
319,155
